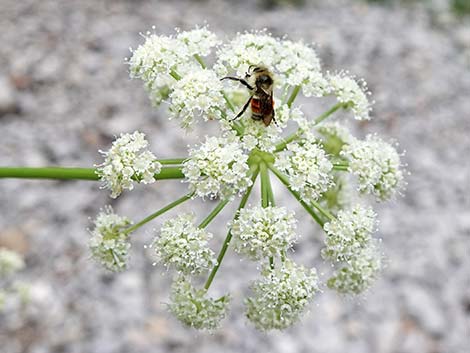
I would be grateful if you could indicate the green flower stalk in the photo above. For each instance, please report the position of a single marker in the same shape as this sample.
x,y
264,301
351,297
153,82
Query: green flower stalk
x,y
320,163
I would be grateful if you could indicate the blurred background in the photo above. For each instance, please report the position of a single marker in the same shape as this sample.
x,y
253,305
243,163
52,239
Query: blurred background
x,y
65,92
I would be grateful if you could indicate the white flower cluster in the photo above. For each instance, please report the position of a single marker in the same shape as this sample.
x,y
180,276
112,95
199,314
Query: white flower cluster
x,y
127,161
294,63
352,93
198,41
197,95
359,272
351,230
281,296
217,168
109,244
313,162
192,306
184,246
349,244
307,168
262,232
10,262
376,164
162,60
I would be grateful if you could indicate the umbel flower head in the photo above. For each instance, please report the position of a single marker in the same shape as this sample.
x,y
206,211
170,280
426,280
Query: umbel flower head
x,y
307,168
353,94
109,243
376,164
359,272
350,231
183,246
281,296
192,306
162,60
219,167
243,92
262,232
197,95
128,161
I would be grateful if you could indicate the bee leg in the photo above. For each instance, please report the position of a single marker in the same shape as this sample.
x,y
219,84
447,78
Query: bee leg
x,y
245,107
274,119
242,81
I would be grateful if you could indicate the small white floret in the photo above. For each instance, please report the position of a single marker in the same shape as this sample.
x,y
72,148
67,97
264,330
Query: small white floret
x,y
281,296
217,168
127,161
194,308
109,243
377,166
262,232
183,246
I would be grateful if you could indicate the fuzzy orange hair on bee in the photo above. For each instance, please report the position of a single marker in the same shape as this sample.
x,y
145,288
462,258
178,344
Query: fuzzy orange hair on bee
x,y
259,80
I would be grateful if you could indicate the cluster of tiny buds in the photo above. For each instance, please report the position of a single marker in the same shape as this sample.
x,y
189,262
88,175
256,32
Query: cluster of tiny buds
x,y
247,94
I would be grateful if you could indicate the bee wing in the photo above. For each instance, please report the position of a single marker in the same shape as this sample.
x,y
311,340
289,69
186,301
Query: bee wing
x,y
267,108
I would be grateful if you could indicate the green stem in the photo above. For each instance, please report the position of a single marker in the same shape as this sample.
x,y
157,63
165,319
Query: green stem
x,y
343,167
229,103
172,161
307,208
213,214
298,133
264,191
228,238
200,61
281,146
49,173
158,213
324,212
67,173
175,75
293,95
326,114
267,196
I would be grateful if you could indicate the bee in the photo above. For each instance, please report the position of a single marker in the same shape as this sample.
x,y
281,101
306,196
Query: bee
x,y
259,80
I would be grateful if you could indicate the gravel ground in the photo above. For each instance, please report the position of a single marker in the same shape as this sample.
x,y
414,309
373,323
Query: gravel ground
x,y
64,93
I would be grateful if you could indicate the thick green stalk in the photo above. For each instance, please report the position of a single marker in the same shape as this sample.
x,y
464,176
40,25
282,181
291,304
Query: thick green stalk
x,y
228,238
49,173
158,213
213,214
307,208
67,173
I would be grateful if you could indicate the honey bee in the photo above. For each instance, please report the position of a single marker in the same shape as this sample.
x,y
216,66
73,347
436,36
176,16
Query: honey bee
x,y
259,81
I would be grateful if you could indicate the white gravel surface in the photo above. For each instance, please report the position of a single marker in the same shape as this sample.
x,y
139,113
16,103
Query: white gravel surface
x,y
64,93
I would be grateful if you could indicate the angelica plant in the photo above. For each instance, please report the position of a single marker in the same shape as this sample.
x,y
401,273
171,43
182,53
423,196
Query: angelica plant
x,y
320,163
